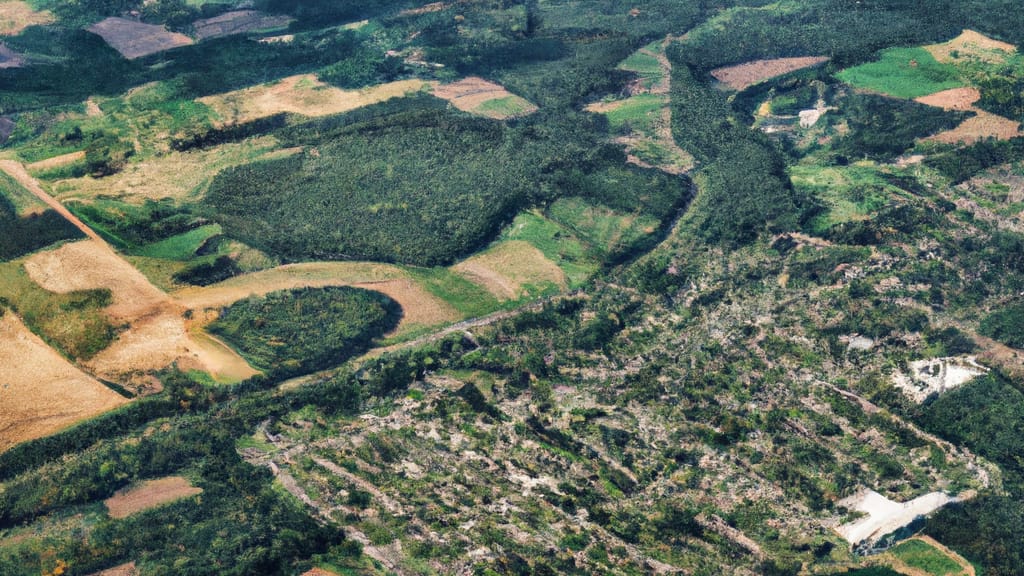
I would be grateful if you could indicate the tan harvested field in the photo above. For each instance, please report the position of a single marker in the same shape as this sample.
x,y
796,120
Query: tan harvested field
x,y
56,161
156,334
40,391
134,39
420,307
237,22
971,45
507,268
425,9
303,94
178,175
747,74
472,94
983,125
150,494
953,99
128,569
9,58
16,15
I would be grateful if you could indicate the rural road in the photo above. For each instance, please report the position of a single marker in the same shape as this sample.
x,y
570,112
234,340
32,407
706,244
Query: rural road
x,y
17,171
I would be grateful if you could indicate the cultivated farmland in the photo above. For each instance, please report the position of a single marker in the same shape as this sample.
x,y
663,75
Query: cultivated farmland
x,y
150,494
479,96
742,76
40,391
135,39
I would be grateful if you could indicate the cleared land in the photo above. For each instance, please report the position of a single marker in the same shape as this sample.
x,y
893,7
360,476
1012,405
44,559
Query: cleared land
x,y
237,22
885,516
971,45
156,334
303,94
128,569
478,96
511,270
903,73
924,556
150,494
952,99
937,375
983,125
419,306
40,391
135,39
9,58
744,75
56,161
16,15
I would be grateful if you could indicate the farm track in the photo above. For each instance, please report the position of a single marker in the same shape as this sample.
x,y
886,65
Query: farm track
x,y
17,171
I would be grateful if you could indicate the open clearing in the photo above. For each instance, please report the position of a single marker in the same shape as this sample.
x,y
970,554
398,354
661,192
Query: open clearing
x,y
303,94
150,494
237,22
128,569
56,161
157,335
983,125
952,99
937,376
16,15
971,45
511,270
742,76
419,306
135,39
40,391
924,556
478,96
9,58
178,175
885,516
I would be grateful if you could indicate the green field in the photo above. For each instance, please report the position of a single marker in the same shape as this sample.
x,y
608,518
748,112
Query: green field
x,y
182,246
646,66
903,73
637,113
923,556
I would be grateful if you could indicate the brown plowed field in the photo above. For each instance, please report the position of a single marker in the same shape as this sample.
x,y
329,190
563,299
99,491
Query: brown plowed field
x,y
135,39
747,74
469,94
40,391
419,306
954,99
150,494
156,334
237,22
983,125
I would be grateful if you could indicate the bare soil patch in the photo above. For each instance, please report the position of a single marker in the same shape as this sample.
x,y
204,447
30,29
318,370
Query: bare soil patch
x,y
885,516
982,125
972,45
954,99
318,572
237,22
16,15
303,94
747,74
150,494
471,94
9,58
419,307
156,334
57,161
134,39
40,391
128,569
506,269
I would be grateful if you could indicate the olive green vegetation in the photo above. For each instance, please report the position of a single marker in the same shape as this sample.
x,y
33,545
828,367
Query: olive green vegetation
x,y
299,331
923,556
73,323
1006,325
903,73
